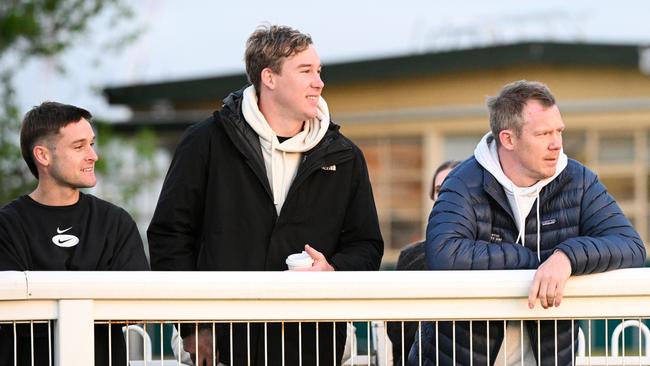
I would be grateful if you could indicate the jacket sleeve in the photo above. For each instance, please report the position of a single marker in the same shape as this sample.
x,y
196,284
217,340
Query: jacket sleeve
x,y
129,250
452,236
360,243
175,228
607,239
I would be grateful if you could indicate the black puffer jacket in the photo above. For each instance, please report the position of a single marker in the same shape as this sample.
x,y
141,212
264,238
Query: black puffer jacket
x,y
216,213
472,227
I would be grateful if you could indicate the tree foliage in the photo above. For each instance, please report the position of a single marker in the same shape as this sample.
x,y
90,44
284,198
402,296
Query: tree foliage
x,y
45,29
49,27
15,178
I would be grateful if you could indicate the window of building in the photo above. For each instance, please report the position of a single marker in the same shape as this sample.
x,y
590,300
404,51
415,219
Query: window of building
x,y
395,168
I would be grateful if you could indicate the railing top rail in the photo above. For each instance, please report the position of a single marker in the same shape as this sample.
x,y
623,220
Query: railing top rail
x,y
273,296
307,285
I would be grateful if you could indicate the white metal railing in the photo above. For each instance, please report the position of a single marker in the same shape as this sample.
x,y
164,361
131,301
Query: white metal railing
x,y
76,300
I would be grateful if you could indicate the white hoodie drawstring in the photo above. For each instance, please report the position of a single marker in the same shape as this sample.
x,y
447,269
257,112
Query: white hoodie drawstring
x,y
522,220
522,224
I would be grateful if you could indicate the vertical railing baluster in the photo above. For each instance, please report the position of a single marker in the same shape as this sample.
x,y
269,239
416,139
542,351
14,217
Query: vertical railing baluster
x,y
471,343
49,344
31,338
178,343
453,341
266,344
521,340
505,343
368,340
555,339
281,342
402,351
248,341
573,337
317,344
606,342
300,343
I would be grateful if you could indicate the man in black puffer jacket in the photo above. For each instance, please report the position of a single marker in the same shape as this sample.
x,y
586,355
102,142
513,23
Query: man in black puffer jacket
x,y
520,203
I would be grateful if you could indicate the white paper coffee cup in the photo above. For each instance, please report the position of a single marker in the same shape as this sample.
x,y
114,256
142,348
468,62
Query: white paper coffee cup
x,y
299,260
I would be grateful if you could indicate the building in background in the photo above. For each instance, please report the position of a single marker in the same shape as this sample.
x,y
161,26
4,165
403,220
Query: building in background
x,y
410,113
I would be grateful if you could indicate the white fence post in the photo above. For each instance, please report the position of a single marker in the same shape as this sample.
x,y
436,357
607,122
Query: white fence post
x,y
74,333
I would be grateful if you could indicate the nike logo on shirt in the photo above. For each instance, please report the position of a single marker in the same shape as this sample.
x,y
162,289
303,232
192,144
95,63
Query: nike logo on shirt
x,y
64,241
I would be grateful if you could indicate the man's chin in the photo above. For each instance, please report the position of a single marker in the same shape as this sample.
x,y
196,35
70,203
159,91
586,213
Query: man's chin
x,y
88,184
547,175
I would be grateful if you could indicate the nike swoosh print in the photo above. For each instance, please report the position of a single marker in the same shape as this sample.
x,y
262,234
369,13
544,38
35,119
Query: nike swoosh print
x,y
65,241
58,231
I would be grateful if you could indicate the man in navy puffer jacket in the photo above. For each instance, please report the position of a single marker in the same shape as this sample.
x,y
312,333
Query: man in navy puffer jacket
x,y
520,203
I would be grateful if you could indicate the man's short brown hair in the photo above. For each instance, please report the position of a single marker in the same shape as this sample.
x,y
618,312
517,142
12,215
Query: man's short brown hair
x,y
269,46
506,108
45,121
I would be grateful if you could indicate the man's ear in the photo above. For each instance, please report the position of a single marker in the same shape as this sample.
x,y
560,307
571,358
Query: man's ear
x,y
42,155
507,139
268,78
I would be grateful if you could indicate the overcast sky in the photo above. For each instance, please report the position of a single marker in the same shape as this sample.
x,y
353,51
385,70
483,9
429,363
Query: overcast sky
x,y
193,38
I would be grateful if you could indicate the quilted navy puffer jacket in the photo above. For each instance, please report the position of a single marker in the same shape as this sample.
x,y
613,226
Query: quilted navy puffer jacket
x,y
471,227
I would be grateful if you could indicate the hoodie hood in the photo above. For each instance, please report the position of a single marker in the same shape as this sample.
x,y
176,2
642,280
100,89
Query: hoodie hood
x,y
312,132
281,160
521,199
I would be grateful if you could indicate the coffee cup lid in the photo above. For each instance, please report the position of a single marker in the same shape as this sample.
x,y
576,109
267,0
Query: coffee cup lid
x,y
299,260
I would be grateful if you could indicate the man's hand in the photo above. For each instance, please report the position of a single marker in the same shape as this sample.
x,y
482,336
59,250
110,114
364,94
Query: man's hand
x,y
549,281
205,348
320,262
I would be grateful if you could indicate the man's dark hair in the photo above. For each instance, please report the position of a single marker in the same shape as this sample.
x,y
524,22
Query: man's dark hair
x,y
45,121
269,46
506,108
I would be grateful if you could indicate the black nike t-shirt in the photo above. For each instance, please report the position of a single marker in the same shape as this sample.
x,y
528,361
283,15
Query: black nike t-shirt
x,y
89,235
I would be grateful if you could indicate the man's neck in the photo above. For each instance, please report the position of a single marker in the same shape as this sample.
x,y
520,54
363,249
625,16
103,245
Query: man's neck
x,y
509,168
281,124
55,196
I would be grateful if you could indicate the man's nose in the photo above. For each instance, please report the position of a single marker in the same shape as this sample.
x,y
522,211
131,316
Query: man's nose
x,y
93,154
556,143
318,82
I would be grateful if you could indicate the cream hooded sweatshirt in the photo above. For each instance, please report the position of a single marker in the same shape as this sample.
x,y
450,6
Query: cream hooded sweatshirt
x,y
282,159
516,347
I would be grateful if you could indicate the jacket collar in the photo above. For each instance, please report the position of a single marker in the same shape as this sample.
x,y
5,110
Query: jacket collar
x,y
247,141
495,190
242,135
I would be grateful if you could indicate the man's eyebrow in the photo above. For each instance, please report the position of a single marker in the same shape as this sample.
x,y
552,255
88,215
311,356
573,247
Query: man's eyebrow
x,y
309,65
83,140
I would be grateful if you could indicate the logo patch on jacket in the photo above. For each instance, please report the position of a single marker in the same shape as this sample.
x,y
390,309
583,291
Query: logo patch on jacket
x,y
548,222
495,238
331,168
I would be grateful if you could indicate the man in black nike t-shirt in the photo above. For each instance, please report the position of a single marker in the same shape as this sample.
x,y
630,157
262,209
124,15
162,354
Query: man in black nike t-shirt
x,y
59,228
